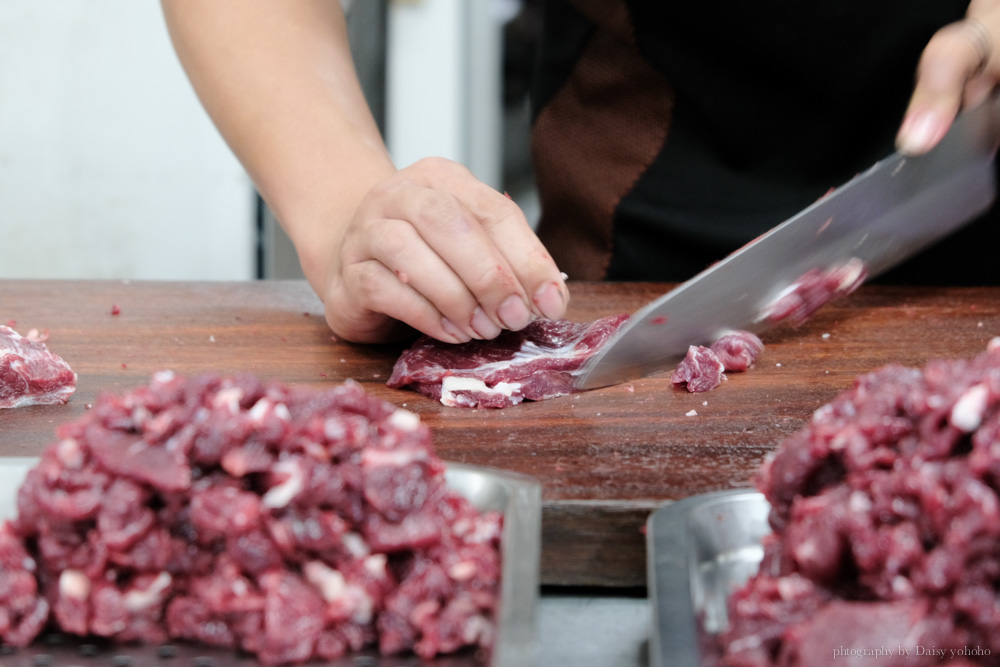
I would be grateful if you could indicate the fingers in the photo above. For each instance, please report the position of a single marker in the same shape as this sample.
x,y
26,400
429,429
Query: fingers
x,y
441,251
533,267
447,306
522,256
379,302
957,68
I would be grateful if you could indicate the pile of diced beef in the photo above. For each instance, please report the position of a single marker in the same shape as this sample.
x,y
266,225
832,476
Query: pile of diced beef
x,y
886,518
291,524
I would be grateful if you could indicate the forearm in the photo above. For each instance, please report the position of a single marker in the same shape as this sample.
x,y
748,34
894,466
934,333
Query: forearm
x,y
278,80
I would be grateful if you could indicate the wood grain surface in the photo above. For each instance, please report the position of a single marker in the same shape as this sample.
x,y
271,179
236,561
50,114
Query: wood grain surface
x,y
606,458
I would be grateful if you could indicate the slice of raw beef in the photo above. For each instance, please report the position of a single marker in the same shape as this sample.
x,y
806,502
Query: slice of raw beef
x,y
30,374
533,364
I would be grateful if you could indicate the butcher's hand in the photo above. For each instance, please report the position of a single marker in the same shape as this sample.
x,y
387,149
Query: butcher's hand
x,y
428,246
434,248
959,68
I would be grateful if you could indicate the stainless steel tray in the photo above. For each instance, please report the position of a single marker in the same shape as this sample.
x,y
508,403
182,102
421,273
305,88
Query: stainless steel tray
x,y
517,496
698,550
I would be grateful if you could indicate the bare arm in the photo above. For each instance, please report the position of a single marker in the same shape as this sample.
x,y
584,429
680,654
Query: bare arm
x,y
428,245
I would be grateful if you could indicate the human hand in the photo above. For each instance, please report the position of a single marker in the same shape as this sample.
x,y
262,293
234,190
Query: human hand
x,y
958,68
434,248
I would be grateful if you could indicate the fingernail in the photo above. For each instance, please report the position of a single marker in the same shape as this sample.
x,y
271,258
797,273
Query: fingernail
x,y
514,313
454,331
483,325
549,301
921,132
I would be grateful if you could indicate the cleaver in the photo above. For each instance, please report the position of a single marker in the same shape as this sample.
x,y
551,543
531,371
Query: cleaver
x,y
880,217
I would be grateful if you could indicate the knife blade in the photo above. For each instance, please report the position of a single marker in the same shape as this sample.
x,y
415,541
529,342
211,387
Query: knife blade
x,y
886,214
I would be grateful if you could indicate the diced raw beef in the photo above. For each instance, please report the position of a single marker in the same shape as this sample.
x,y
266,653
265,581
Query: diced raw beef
x,y
886,518
30,374
702,369
805,296
23,613
738,350
533,364
287,523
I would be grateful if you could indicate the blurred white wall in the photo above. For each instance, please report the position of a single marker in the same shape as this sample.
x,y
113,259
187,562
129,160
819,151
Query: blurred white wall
x,y
443,82
109,167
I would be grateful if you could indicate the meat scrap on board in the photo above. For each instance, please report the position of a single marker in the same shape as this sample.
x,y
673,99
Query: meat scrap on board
x,y
703,368
30,373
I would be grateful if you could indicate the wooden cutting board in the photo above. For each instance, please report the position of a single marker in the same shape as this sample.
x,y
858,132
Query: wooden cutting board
x,y
606,458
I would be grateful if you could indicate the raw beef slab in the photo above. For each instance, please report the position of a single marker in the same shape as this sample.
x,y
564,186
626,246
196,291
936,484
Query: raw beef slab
x,y
533,364
291,524
30,374
886,518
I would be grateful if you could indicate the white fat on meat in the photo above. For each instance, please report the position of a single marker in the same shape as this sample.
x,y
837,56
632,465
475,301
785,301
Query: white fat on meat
x,y
329,582
335,590
462,570
281,494
265,405
527,352
163,377
451,385
74,584
967,413
355,545
70,454
859,503
139,599
478,629
375,565
228,397
393,458
405,420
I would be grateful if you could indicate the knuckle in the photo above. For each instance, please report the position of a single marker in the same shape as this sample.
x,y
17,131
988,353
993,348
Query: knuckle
x,y
440,212
440,165
493,277
362,281
382,190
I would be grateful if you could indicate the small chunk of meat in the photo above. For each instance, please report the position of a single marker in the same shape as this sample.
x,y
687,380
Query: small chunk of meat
x,y
30,374
737,351
700,370
703,368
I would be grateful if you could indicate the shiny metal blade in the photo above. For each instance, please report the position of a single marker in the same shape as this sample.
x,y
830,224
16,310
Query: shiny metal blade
x,y
881,217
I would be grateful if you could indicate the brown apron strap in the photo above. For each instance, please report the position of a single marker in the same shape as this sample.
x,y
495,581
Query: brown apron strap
x,y
594,139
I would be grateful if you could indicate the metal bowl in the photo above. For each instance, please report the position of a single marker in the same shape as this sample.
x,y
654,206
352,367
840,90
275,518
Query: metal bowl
x,y
698,551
